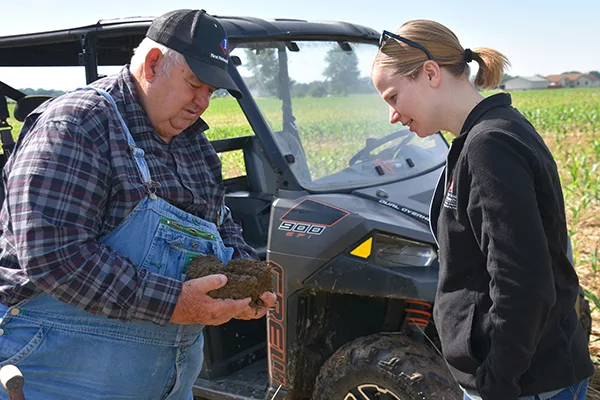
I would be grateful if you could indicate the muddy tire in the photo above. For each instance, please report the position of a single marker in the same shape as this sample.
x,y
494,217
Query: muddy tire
x,y
585,315
385,367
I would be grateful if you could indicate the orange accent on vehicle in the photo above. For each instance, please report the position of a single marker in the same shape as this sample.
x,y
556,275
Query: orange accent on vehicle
x,y
276,330
417,322
426,313
418,313
420,302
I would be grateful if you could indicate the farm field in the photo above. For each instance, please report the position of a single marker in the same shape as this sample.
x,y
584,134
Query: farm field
x,y
568,120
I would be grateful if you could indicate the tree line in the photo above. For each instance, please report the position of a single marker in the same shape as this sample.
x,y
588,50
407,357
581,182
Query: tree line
x,y
42,92
341,75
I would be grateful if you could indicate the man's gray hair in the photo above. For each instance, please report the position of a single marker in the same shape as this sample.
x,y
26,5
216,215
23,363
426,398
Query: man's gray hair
x,y
171,58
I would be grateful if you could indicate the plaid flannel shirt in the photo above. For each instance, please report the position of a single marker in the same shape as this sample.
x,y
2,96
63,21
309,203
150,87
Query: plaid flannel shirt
x,y
72,180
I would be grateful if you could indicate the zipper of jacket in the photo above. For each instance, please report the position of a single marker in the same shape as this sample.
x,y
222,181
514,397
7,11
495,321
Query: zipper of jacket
x,y
445,176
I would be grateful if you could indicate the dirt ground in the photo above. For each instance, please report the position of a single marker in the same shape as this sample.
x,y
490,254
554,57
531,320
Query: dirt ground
x,y
587,238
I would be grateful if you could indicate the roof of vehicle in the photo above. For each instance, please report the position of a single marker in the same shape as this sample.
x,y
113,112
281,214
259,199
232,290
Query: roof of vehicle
x,y
115,39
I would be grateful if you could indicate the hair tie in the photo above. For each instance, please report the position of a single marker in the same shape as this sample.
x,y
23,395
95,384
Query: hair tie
x,y
468,56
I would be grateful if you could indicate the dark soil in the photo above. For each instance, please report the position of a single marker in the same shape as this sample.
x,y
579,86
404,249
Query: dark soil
x,y
245,278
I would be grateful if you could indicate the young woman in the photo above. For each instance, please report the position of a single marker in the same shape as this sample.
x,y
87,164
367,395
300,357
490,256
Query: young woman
x,y
506,294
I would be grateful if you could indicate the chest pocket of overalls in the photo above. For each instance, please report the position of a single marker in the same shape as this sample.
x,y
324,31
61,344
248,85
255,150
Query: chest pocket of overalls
x,y
176,243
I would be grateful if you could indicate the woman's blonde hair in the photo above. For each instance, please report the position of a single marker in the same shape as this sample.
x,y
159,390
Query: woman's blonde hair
x,y
444,47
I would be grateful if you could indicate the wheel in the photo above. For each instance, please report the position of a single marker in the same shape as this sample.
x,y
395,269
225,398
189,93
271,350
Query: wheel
x,y
385,367
585,315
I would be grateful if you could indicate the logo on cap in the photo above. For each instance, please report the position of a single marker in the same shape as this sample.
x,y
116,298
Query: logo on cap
x,y
224,46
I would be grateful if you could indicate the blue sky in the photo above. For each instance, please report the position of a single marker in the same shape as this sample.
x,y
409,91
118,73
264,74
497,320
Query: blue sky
x,y
538,37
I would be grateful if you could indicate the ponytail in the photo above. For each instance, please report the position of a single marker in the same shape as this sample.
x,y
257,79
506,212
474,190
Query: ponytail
x,y
492,64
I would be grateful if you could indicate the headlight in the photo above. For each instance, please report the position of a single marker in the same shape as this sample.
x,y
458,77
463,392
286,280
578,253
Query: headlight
x,y
393,251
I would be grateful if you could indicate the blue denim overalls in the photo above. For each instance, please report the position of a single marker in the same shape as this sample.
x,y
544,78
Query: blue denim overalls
x,y
67,353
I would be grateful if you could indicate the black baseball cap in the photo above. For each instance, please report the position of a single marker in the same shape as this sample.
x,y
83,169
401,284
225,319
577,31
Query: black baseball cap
x,y
202,41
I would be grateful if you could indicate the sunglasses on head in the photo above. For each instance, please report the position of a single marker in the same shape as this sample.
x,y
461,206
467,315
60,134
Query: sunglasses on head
x,y
386,35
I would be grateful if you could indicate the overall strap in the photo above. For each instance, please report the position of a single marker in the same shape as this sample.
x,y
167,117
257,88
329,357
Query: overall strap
x,y
137,152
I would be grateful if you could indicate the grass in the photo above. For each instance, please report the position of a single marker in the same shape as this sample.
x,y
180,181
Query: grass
x,y
568,120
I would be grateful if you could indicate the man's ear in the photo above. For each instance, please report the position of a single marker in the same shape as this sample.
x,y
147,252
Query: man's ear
x,y
152,63
433,72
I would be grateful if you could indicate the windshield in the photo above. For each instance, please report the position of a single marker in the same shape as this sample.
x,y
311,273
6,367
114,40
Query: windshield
x,y
327,118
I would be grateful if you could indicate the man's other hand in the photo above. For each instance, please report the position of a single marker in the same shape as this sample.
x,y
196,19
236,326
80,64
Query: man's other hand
x,y
194,306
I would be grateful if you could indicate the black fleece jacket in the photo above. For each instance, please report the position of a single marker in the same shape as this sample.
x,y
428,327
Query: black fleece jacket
x,y
504,307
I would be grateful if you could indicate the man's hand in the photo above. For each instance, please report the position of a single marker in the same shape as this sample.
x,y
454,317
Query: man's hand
x,y
269,299
194,306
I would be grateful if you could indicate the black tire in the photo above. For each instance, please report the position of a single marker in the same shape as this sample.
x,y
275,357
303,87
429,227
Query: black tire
x,y
585,314
383,367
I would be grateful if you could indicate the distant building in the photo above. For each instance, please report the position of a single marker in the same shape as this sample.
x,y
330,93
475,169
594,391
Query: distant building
x,y
526,83
573,81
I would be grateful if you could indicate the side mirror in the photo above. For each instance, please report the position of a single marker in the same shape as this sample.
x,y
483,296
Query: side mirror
x,y
345,46
236,61
292,46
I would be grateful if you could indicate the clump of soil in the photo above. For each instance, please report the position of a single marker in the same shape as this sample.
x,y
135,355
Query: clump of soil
x,y
245,278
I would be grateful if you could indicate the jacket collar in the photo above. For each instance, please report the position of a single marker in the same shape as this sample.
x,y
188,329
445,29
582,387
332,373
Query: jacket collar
x,y
487,104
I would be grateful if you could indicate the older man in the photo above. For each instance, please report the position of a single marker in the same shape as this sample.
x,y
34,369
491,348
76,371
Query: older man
x,y
110,193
